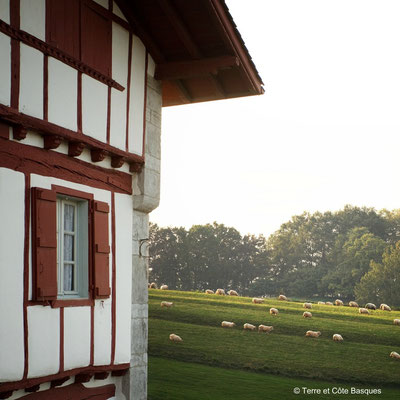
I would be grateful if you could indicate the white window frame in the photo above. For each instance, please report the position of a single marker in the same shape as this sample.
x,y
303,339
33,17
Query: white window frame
x,y
80,249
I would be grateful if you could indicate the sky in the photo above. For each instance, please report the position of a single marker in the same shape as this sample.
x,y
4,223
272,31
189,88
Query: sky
x,y
324,134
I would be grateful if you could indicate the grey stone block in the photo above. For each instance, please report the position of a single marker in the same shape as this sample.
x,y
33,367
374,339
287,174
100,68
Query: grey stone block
x,y
134,384
139,336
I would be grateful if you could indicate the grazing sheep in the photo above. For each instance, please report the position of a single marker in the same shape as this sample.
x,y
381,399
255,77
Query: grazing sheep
x,y
273,311
175,338
337,338
209,291
395,355
282,297
153,285
362,310
321,302
220,292
396,321
166,304
370,306
227,324
257,300
328,303
313,334
307,314
164,287
265,328
338,302
233,293
307,305
353,304
249,327
385,307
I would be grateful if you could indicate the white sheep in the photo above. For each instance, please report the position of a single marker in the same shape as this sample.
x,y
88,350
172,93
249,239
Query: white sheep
x,y
328,303
227,324
282,297
385,307
338,302
175,338
220,292
337,338
233,293
370,306
256,300
321,302
166,304
153,285
353,304
307,305
307,314
249,327
395,355
265,328
273,311
313,334
209,291
164,287
396,321
363,310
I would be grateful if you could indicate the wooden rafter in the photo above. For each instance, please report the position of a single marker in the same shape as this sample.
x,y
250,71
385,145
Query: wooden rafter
x,y
194,68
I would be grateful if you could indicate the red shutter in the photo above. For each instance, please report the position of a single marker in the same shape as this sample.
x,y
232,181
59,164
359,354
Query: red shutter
x,y
101,250
62,23
96,40
44,244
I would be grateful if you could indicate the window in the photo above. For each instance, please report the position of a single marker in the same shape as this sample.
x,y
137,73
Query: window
x,y
70,245
77,28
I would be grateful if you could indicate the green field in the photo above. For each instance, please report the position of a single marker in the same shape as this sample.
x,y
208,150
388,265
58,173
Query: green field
x,y
241,363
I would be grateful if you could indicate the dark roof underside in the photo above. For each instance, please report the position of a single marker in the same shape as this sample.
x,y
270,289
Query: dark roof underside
x,y
199,53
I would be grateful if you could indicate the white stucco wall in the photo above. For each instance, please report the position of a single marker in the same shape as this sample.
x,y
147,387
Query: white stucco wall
x,y
33,17
31,82
102,331
76,337
137,96
62,94
123,251
94,108
43,341
5,68
5,10
12,216
120,51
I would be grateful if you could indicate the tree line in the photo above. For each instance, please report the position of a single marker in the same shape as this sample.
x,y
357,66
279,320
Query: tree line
x,y
353,253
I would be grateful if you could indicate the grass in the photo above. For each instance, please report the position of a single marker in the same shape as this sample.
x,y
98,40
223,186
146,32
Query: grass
x,y
172,380
362,358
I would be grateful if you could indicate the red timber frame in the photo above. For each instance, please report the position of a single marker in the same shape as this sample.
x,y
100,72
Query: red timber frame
x,y
55,134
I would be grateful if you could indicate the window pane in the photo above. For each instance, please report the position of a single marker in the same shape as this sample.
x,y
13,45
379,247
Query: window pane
x,y
68,278
69,247
69,218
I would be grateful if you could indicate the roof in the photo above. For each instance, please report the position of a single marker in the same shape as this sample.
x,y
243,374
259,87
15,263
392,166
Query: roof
x,y
199,53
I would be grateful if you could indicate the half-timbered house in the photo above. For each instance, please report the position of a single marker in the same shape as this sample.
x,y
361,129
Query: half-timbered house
x,y
82,83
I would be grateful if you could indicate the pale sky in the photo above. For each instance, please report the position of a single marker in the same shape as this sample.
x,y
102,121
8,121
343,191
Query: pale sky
x,y
324,134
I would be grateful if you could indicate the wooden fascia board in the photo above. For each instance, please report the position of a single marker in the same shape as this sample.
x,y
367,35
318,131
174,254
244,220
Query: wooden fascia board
x,y
194,68
236,44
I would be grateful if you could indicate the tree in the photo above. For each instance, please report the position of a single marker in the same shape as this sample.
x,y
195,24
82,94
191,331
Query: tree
x,y
382,282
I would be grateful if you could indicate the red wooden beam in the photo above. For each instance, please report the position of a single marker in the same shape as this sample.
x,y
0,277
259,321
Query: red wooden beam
x,y
195,68
22,122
